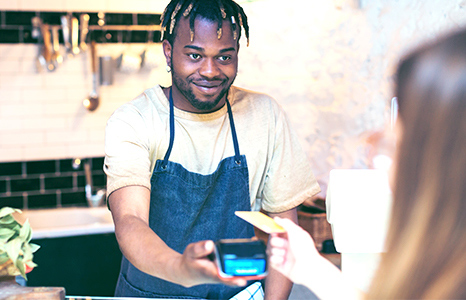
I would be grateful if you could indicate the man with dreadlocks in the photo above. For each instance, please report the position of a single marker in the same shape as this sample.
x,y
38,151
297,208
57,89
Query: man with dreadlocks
x,y
175,171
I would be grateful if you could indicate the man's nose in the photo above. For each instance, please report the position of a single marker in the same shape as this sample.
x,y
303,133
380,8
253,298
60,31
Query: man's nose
x,y
209,68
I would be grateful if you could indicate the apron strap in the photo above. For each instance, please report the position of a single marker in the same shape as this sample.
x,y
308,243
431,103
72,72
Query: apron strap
x,y
233,133
172,132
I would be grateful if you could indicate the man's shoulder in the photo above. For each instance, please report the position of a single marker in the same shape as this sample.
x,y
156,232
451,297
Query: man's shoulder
x,y
145,101
241,95
254,100
142,105
240,92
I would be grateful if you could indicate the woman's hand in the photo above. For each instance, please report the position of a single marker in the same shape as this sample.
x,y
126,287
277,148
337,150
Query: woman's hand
x,y
292,253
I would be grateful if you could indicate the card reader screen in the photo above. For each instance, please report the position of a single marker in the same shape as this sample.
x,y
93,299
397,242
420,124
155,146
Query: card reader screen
x,y
242,267
241,257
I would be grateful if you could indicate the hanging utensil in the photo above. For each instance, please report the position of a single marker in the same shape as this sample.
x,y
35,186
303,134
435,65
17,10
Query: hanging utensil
x,y
41,63
66,23
74,35
47,48
84,23
57,58
92,102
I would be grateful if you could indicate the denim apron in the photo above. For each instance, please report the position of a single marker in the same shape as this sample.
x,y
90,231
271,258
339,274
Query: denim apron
x,y
187,207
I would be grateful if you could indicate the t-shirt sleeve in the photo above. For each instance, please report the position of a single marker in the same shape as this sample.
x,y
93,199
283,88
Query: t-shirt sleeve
x,y
127,149
289,180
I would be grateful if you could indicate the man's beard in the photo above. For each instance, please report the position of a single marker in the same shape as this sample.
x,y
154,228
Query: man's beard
x,y
187,92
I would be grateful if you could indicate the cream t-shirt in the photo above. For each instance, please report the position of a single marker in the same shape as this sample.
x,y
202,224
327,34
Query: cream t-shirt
x,y
138,133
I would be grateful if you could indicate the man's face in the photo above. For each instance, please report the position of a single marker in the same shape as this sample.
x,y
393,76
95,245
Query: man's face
x,y
202,70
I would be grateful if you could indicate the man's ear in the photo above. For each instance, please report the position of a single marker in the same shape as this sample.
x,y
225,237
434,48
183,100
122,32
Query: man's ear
x,y
167,51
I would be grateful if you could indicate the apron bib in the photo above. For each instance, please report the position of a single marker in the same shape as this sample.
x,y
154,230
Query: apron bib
x,y
187,207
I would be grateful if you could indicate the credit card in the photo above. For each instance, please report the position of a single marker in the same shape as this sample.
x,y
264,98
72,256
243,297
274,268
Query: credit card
x,y
261,221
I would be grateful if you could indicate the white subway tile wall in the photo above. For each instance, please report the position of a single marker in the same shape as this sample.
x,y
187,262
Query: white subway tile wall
x,y
41,113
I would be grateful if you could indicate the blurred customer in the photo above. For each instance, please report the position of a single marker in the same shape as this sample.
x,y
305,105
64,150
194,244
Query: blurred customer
x,y
426,255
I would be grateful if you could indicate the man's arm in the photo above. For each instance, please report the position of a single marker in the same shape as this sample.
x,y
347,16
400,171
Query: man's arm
x,y
149,253
278,286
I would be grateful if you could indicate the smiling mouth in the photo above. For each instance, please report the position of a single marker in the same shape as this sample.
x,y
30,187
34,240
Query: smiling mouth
x,y
208,86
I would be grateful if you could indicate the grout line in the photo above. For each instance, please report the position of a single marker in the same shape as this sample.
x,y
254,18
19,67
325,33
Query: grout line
x,y
23,170
41,183
25,200
75,180
59,198
57,167
8,186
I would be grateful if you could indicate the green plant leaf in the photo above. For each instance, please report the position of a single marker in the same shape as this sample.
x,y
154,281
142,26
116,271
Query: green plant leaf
x,y
25,232
27,253
34,247
31,264
8,211
12,248
5,234
14,241
8,219
4,258
20,266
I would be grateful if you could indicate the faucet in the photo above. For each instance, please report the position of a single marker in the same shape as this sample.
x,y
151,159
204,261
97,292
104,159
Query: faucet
x,y
93,200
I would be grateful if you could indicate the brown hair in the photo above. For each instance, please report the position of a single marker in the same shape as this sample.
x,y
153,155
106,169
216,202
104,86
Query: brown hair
x,y
426,255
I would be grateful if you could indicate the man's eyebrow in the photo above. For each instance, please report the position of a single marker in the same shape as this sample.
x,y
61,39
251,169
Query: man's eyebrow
x,y
200,49
194,48
228,49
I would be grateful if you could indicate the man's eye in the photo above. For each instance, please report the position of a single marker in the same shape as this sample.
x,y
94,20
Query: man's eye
x,y
224,58
194,56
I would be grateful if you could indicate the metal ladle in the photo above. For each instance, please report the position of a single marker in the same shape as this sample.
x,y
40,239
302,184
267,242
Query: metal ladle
x,y
92,102
57,58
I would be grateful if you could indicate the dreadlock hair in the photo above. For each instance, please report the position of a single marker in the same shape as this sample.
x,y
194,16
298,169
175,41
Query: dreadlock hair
x,y
212,10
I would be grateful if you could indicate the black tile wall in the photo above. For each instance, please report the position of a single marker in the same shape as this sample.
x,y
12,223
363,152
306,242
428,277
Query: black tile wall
x,y
98,163
148,19
38,167
99,179
11,168
51,18
19,18
25,185
2,186
15,202
119,19
73,198
58,182
42,201
66,165
48,183
16,26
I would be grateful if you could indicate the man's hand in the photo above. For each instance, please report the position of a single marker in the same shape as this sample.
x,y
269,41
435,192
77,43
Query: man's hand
x,y
199,269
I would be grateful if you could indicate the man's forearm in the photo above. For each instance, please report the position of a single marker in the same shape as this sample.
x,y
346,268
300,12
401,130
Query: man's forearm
x,y
277,286
146,251
138,243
